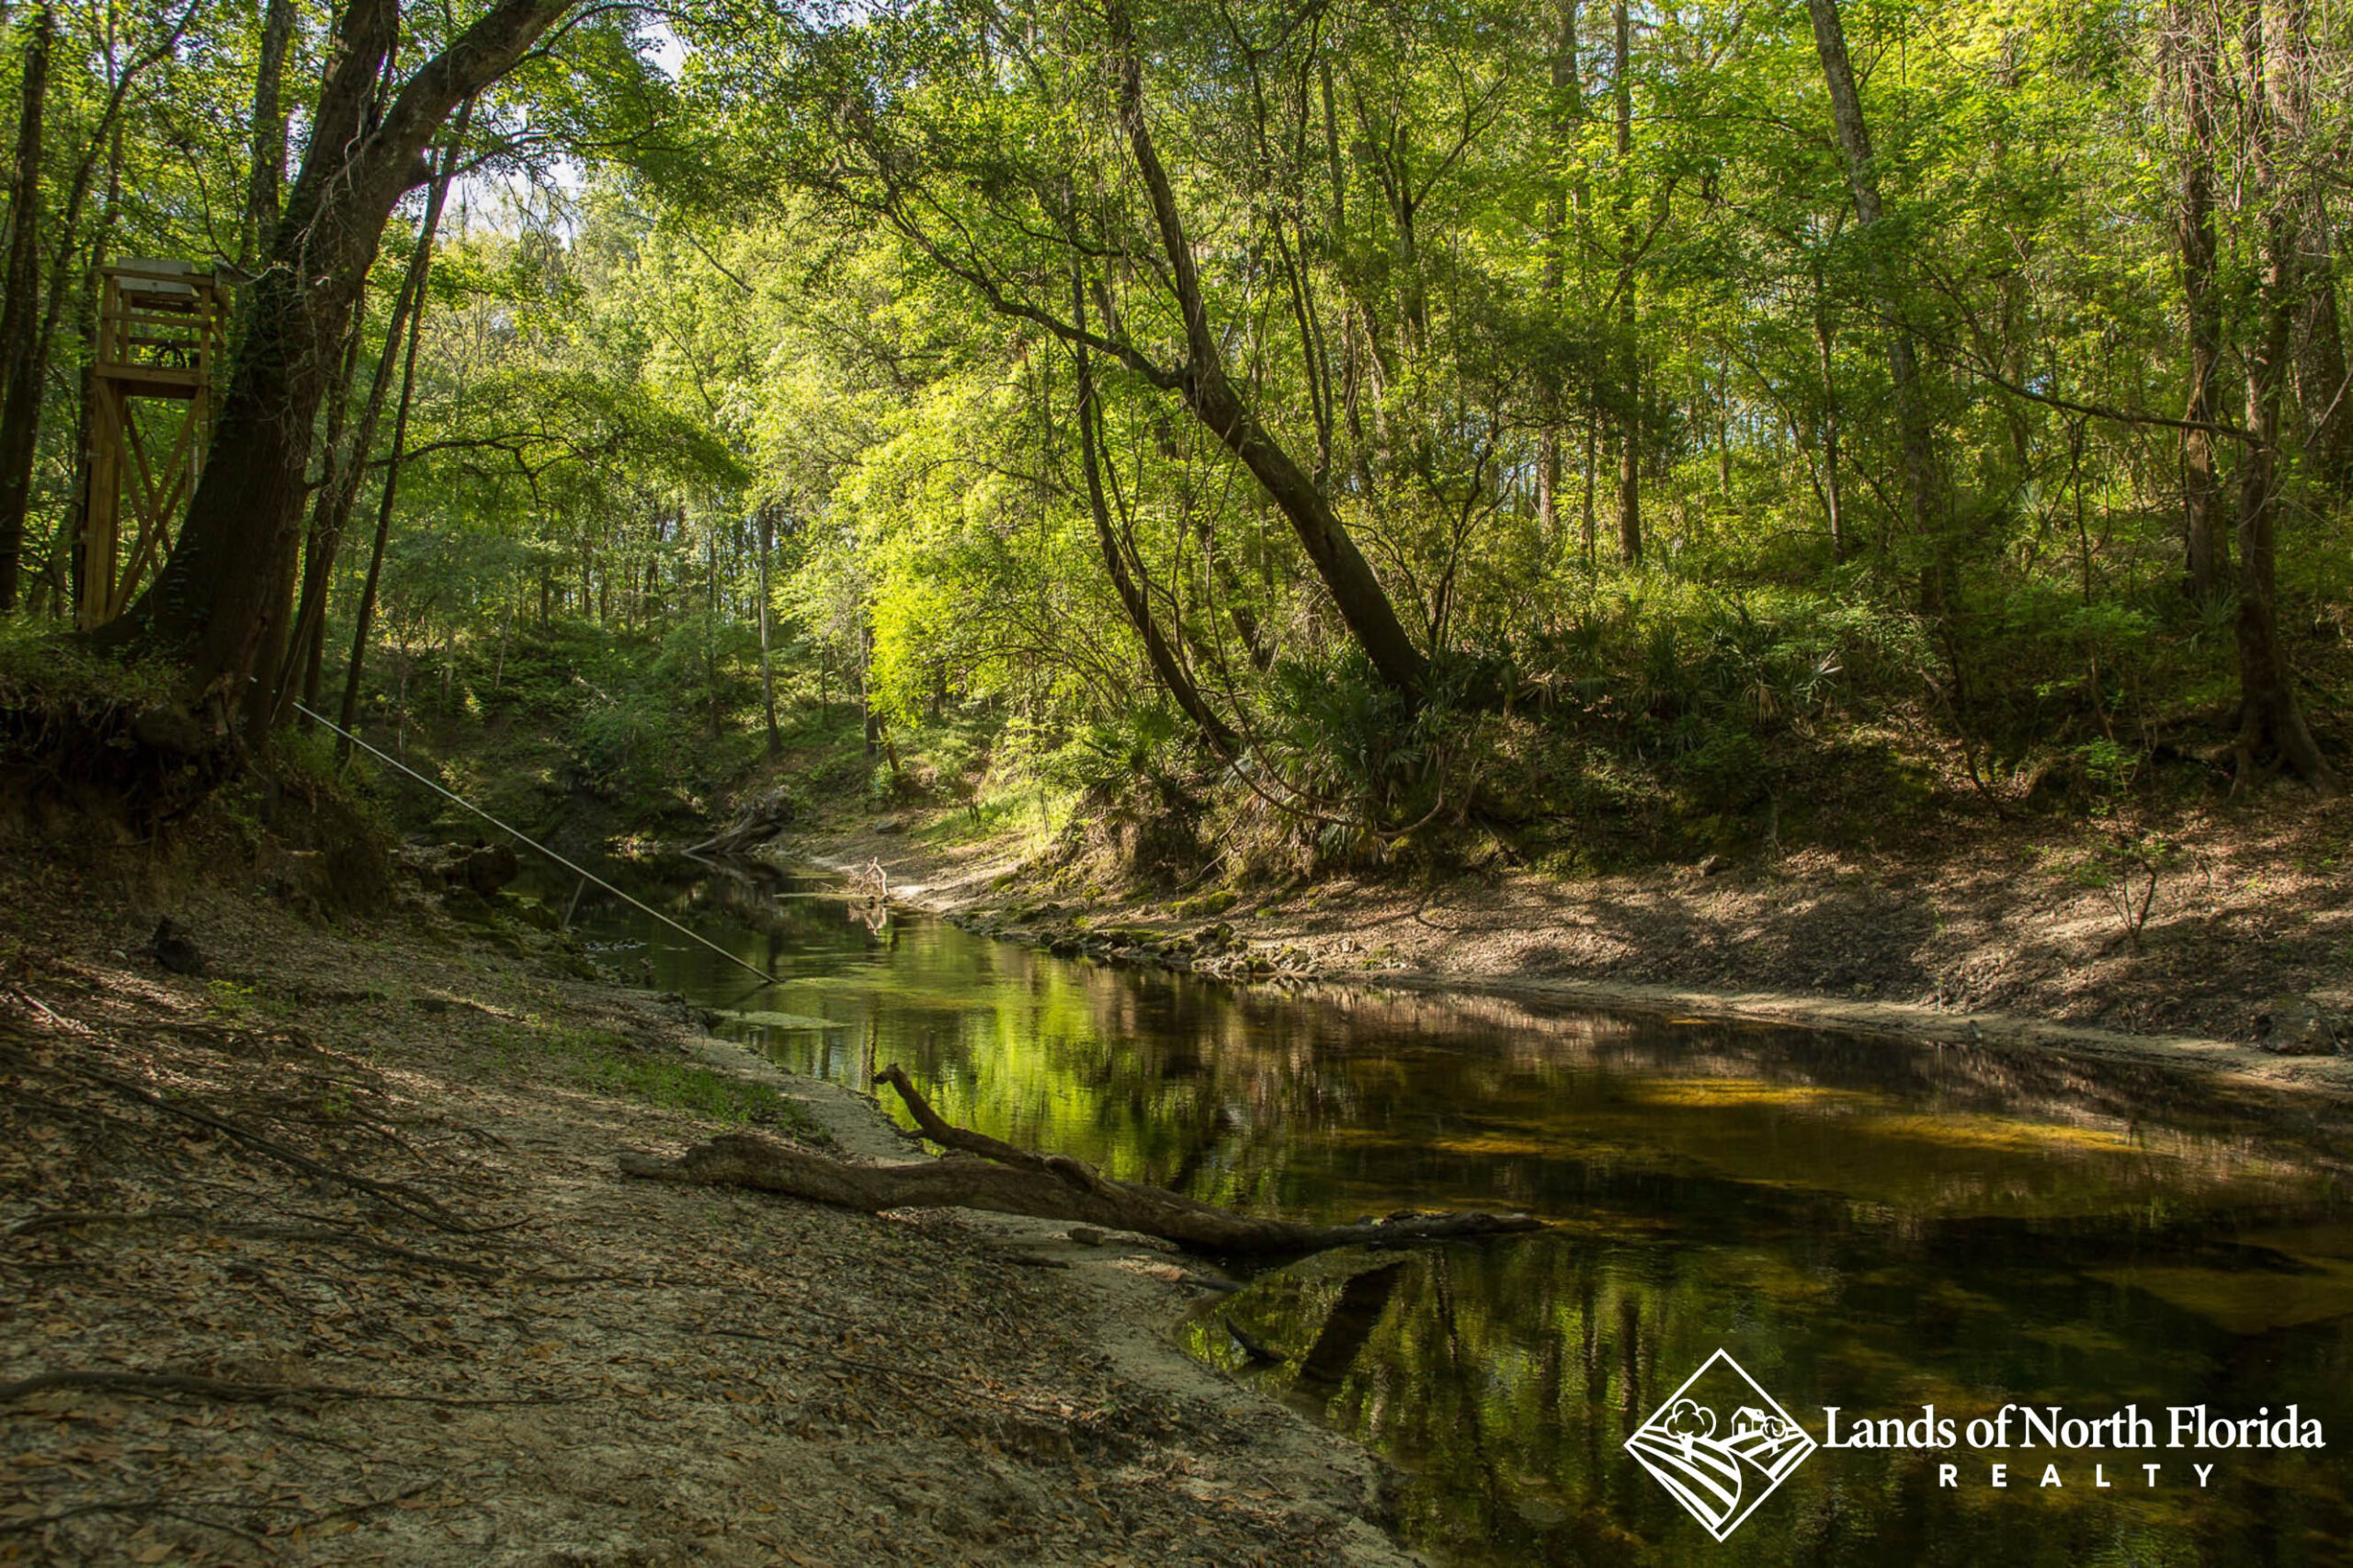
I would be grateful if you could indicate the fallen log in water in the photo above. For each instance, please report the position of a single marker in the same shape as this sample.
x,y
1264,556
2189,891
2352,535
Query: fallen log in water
x,y
759,822
985,1173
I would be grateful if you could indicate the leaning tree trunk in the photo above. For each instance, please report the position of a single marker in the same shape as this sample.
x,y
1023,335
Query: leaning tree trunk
x,y
214,602
20,360
1157,650
216,597
1209,393
1006,1180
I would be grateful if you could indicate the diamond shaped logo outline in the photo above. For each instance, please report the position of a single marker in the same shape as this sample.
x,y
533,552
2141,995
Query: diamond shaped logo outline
x,y
1720,1478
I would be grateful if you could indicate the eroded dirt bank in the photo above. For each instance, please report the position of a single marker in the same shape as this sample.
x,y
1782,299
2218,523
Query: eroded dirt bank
x,y
2235,956
323,1258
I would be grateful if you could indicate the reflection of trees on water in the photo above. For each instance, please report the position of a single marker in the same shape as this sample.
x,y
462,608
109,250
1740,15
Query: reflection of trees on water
x,y
1332,1102
2103,1090
1371,1087
1505,1375
1861,1222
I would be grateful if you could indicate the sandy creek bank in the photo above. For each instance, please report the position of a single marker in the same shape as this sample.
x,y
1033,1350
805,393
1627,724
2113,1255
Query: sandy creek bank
x,y
2242,965
323,1258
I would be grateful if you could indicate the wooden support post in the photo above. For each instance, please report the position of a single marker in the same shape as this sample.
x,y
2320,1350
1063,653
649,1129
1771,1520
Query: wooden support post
x,y
162,338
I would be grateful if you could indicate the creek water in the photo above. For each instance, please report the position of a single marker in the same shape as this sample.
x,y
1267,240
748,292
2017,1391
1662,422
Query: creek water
x,y
1861,1224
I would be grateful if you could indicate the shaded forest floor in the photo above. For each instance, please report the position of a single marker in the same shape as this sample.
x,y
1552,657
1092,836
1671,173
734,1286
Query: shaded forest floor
x,y
2227,936
323,1258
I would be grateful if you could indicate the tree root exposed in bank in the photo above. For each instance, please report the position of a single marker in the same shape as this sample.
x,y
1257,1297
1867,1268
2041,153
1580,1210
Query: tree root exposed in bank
x,y
981,1172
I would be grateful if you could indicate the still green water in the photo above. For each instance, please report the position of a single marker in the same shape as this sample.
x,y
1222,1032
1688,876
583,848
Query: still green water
x,y
1862,1224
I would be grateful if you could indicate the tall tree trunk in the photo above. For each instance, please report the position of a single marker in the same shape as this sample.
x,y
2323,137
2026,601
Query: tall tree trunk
x,y
1834,499
20,366
1568,114
1723,426
718,715
2206,544
269,158
265,167
866,689
346,467
213,602
1245,620
2322,386
768,670
2272,722
1922,502
85,329
2324,391
1588,528
365,614
1630,362
307,659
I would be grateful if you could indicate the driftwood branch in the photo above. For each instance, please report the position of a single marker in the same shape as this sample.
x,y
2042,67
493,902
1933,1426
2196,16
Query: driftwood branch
x,y
985,1173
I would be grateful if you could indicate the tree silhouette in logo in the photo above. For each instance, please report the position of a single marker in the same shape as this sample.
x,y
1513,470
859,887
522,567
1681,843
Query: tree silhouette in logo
x,y
1689,1420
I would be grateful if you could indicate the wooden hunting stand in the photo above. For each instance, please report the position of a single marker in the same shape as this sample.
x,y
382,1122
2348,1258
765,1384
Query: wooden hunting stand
x,y
163,337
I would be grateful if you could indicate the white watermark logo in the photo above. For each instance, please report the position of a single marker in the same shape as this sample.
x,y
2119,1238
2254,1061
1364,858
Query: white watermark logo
x,y
1720,1445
